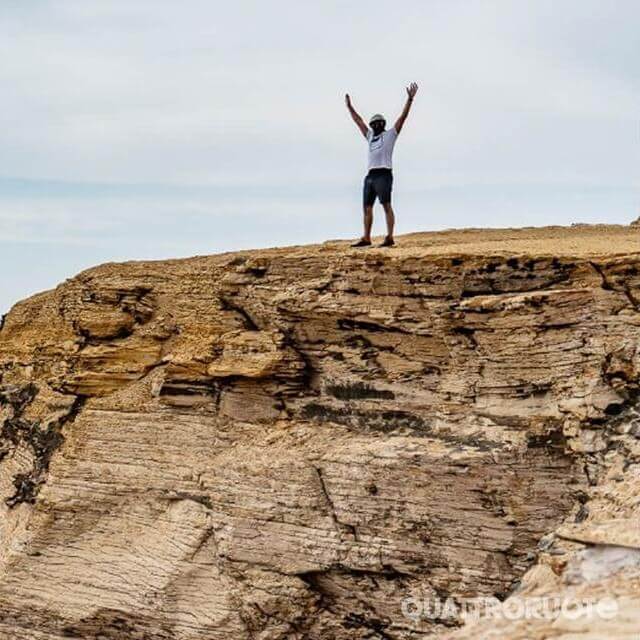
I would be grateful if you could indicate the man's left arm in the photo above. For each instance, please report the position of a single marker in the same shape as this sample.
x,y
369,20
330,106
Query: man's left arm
x,y
412,89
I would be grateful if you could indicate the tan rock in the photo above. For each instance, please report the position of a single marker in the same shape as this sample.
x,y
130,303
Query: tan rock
x,y
296,443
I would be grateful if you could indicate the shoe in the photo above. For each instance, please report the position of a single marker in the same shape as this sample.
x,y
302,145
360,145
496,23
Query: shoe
x,y
387,242
362,243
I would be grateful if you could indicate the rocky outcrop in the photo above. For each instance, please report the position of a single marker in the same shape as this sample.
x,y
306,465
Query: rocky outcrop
x,y
302,442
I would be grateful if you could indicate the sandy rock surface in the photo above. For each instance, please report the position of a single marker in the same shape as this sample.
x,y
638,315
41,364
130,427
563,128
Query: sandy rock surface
x,y
320,442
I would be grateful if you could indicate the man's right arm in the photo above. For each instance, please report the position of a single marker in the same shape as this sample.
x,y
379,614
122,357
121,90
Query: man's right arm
x,y
356,117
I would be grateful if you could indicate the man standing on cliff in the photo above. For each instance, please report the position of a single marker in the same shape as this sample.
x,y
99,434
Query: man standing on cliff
x,y
379,179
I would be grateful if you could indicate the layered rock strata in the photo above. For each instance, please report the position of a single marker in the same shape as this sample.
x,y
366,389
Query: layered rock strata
x,y
294,443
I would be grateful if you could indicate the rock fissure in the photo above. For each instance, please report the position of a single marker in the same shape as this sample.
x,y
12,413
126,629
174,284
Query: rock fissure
x,y
39,440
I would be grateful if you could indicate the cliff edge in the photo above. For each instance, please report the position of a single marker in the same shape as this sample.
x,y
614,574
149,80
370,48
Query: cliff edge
x,y
321,442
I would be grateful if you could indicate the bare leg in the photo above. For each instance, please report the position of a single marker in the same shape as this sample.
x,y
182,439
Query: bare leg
x,y
391,219
368,221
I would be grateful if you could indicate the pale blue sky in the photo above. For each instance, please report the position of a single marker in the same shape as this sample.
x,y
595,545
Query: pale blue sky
x,y
151,129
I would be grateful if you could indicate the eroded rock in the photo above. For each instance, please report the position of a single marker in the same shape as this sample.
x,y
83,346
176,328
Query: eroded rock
x,y
290,443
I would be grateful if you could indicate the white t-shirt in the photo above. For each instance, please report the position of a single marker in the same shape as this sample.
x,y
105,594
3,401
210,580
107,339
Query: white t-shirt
x,y
381,148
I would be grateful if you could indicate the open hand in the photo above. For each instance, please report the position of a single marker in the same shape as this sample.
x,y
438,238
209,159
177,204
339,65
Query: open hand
x,y
412,89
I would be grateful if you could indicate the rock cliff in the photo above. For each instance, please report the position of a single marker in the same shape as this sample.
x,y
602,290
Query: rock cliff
x,y
306,442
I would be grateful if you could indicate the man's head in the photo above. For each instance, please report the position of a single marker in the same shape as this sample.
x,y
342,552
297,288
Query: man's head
x,y
377,124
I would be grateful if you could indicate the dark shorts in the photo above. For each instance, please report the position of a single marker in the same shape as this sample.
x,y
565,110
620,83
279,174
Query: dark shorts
x,y
377,183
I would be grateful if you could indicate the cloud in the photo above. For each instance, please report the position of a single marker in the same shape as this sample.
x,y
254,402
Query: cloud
x,y
148,91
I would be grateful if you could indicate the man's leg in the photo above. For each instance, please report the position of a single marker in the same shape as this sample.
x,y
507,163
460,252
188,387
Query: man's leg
x,y
368,199
391,218
385,187
368,222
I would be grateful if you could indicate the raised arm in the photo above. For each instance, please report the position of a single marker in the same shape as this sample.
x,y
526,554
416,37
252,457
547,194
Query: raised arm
x,y
412,89
356,117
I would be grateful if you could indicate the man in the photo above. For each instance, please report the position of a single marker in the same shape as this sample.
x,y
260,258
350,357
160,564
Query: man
x,y
379,179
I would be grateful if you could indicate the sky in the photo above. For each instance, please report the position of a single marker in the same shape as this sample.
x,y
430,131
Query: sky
x,y
149,129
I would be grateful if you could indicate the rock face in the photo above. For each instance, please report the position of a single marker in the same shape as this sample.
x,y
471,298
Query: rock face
x,y
298,443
